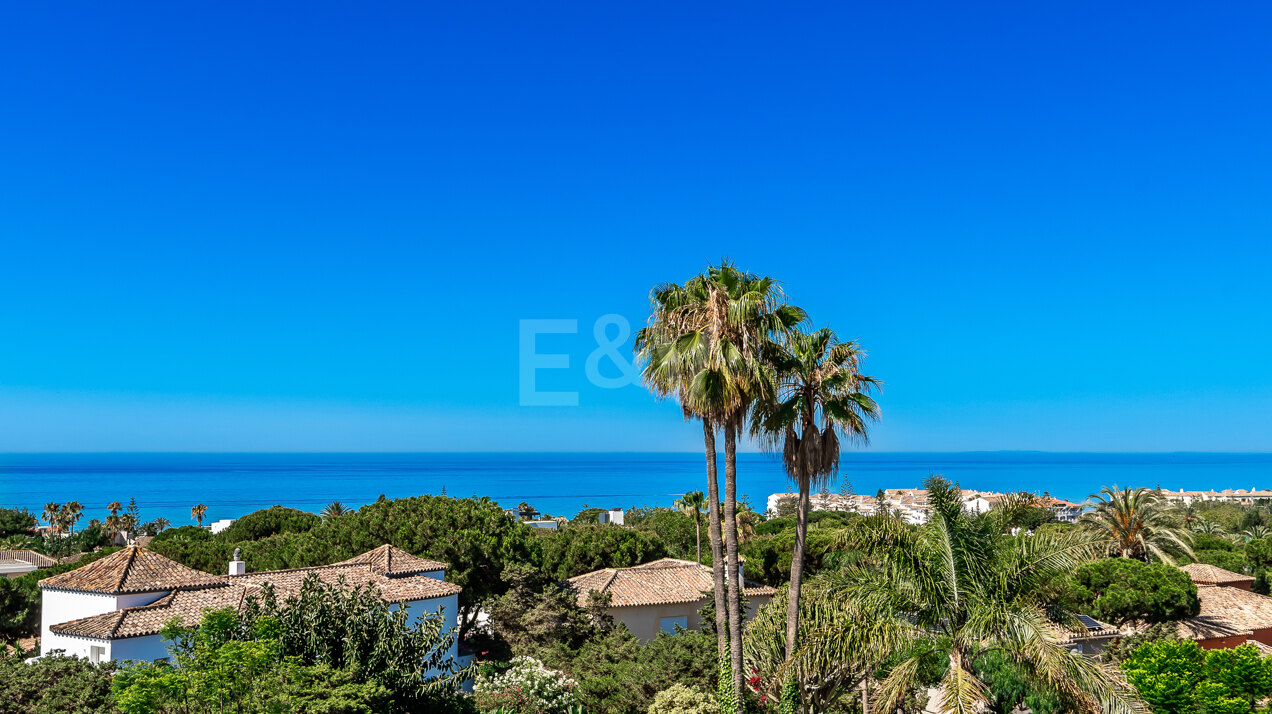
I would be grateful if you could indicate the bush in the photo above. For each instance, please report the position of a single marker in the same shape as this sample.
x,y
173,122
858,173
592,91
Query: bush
x,y
768,558
53,685
1179,677
193,534
675,530
1233,560
269,521
1122,590
527,687
679,699
572,551
16,521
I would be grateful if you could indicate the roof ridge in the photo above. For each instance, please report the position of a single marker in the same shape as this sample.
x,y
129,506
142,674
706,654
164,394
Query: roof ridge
x,y
123,576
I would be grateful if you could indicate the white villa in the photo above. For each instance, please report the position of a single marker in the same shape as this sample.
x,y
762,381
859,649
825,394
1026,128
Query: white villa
x,y
114,608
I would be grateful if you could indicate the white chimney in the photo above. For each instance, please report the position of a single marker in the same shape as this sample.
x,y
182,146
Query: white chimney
x,y
237,566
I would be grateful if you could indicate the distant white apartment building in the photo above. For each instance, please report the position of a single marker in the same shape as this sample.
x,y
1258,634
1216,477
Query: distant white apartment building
x,y
911,504
1240,496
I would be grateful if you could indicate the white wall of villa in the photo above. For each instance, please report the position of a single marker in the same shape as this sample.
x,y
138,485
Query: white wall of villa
x,y
58,606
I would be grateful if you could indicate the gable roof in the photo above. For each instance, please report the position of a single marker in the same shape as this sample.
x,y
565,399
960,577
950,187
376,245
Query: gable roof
x,y
391,561
133,570
1203,574
387,570
1226,612
659,582
187,606
31,557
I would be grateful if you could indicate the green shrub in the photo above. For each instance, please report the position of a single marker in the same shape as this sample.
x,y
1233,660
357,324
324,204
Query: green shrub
x,y
679,699
1121,590
269,521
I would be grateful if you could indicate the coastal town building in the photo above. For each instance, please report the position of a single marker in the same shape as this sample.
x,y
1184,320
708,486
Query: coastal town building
x,y
1238,496
911,503
661,595
115,607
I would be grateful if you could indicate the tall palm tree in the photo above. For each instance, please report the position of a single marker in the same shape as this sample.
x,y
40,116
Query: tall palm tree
x,y
1136,523
198,512
691,505
161,523
72,512
956,588
335,509
114,507
821,395
53,515
704,344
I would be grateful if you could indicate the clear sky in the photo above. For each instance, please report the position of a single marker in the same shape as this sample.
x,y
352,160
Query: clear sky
x,y
317,226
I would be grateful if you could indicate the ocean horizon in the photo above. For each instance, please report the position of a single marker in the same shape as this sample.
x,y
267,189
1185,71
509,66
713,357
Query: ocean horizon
x,y
233,484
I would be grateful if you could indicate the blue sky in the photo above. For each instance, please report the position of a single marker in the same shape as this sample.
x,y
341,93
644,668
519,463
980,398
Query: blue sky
x,y
315,226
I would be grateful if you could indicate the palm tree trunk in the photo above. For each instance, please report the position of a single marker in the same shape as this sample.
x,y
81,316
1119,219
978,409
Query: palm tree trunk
x,y
713,528
797,566
697,526
731,547
865,695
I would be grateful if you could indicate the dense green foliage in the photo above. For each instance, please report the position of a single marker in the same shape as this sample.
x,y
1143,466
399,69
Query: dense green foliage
x,y
1122,590
574,550
269,521
54,685
16,521
1179,677
673,528
768,558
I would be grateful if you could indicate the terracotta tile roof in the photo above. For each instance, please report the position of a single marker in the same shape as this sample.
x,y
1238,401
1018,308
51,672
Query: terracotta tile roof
x,y
1226,612
660,582
1203,574
39,560
392,588
391,561
1095,630
132,570
187,606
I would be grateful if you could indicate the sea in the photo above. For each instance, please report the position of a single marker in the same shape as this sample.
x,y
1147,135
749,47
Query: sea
x,y
231,485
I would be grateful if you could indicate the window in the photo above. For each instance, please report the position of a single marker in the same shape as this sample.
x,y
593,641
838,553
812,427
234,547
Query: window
x,y
669,624
96,654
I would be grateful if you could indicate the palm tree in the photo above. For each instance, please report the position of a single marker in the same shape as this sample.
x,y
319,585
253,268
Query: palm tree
x,y
72,512
1136,522
821,394
1188,516
1255,533
1208,527
956,588
53,515
691,505
198,512
161,523
114,507
335,509
703,344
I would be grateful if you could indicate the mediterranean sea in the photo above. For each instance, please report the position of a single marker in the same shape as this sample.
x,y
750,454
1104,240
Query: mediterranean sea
x,y
231,485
